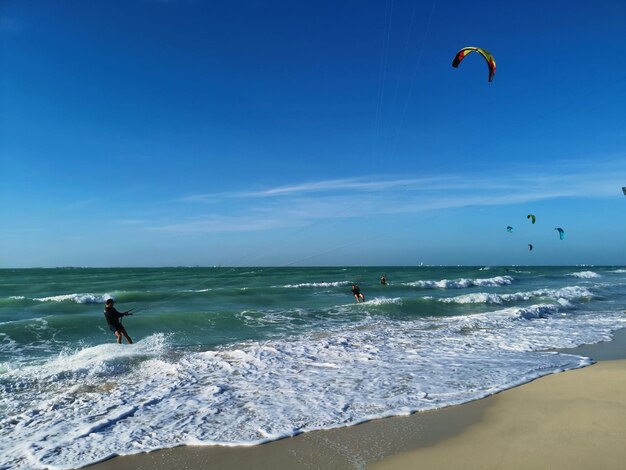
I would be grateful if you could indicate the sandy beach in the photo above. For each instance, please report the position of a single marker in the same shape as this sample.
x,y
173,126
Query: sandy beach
x,y
573,420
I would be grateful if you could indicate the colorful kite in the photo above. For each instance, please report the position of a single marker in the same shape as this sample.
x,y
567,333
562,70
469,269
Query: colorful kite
x,y
491,62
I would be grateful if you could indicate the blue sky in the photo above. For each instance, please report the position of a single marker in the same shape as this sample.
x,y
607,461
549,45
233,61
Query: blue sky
x,y
153,133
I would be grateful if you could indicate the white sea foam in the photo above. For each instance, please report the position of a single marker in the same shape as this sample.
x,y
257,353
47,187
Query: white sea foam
x,y
86,405
462,283
384,300
619,271
585,275
77,298
317,284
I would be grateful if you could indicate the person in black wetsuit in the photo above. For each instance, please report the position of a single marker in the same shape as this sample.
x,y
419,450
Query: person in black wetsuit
x,y
357,293
113,319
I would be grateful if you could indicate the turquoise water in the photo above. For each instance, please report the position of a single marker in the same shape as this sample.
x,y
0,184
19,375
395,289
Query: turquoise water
x,y
246,355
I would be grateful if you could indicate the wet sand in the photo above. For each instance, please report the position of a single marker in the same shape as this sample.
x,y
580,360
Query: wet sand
x,y
573,420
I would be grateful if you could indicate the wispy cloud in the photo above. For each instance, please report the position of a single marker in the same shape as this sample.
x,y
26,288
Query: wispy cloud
x,y
303,203
344,185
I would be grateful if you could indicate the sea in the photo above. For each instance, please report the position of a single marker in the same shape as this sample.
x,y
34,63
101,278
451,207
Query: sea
x,y
242,356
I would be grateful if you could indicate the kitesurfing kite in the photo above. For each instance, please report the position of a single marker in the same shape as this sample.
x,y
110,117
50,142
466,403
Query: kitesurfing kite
x,y
531,217
509,229
530,247
624,190
491,62
561,233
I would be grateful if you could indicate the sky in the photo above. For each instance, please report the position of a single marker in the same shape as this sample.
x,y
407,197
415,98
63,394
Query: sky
x,y
280,133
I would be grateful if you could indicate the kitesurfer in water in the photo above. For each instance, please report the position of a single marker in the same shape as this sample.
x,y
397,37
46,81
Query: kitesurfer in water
x,y
357,293
383,280
113,319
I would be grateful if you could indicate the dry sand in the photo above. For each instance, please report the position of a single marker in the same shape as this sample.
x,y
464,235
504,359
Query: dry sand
x,y
572,420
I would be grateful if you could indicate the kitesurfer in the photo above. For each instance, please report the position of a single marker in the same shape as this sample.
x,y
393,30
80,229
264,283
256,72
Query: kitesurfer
x,y
383,280
113,319
357,293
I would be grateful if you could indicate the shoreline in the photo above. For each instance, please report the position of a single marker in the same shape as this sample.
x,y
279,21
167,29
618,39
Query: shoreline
x,y
403,441
572,421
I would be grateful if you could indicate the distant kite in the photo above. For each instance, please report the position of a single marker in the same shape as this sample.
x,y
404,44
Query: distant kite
x,y
561,233
531,217
624,190
509,229
530,247
491,62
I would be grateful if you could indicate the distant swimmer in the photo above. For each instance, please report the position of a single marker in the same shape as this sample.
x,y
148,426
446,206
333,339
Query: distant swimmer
x,y
113,319
357,293
383,280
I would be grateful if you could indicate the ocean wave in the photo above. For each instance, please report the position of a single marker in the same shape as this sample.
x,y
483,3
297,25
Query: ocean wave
x,y
536,311
12,300
91,360
584,275
502,319
462,283
567,293
317,284
618,271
